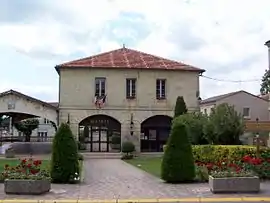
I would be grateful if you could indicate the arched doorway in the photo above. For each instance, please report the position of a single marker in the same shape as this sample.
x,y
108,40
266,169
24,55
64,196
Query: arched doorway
x,y
154,133
101,130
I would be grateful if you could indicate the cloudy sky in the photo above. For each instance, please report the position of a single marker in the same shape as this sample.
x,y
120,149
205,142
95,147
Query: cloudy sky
x,y
225,37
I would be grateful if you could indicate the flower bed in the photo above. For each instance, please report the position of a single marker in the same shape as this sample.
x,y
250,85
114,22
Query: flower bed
x,y
26,178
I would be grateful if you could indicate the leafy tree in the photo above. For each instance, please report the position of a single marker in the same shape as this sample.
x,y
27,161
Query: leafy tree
x,y
180,106
26,127
195,123
225,125
265,85
65,163
178,162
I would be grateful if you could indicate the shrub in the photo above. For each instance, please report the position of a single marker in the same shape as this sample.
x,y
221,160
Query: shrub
x,y
217,153
177,163
65,162
180,106
194,123
128,147
80,157
116,139
201,174
224,126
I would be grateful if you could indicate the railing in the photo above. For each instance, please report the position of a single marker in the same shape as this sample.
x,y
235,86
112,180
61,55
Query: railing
x,y
22,139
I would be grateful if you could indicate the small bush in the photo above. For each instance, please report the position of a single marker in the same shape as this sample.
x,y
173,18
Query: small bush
x,y
80,157
177,163
128,147
116,139
64,161
180,106
201,174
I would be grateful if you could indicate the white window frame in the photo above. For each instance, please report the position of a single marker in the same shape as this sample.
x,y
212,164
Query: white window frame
x,y
159,86
246,116
129,83
100,85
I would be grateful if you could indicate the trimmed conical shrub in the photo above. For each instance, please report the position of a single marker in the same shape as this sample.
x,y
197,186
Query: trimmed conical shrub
x,y
178,163
180,107
64,161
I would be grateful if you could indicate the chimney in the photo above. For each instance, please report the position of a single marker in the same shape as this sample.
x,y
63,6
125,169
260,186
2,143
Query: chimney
x,y
268,46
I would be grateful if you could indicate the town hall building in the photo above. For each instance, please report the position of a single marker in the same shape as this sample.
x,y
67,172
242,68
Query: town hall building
x,y
125,93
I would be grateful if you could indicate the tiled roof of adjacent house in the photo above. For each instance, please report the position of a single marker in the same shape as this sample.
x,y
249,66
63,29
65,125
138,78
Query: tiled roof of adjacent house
x,y
128,59
223,96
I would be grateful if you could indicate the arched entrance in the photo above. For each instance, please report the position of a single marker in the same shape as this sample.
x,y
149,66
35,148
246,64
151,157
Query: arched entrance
x,y
101,133
155,132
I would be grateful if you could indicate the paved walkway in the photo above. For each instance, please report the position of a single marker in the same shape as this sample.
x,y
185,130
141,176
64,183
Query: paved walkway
x,y
113,178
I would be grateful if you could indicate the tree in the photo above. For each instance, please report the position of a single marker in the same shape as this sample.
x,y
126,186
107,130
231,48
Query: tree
x,y
195,123
26,127
225,125
265,85
180,106
65,163
178,162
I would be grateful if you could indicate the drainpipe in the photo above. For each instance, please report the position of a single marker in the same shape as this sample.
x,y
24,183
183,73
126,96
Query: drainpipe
x,y
268,47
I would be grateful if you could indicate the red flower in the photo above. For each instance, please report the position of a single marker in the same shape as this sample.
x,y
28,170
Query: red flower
x,y
37,162
23,161
34,171
209,166
29,165
246,158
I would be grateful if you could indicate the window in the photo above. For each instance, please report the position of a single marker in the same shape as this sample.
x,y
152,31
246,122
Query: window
x,y
46,121
246,112
42,136
100,87
131,88
160,89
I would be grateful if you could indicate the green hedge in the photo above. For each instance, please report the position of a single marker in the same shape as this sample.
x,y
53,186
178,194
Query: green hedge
x,y
216,153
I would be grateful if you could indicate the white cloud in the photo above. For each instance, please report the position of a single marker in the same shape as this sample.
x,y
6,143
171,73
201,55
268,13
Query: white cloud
x,y
225,37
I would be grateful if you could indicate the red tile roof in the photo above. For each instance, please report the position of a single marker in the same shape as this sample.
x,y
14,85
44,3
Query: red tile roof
x,y
128,59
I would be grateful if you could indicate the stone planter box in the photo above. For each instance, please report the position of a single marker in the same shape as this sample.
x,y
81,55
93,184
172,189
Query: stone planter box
x,y
27,187
234,184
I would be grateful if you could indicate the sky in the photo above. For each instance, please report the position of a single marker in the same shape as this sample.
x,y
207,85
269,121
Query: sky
x,y
224,37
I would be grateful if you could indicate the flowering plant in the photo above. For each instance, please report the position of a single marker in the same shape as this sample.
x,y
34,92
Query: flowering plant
x,y
27,169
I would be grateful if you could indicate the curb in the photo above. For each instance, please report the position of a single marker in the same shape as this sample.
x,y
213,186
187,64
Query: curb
x,y
165,200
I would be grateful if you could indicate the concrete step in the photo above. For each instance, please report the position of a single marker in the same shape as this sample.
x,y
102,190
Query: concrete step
x,y
101,155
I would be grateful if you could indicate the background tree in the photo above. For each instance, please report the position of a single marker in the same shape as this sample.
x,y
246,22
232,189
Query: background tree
x,y
65,162
26,127
178,162
180,106
265,85
225,125
195,124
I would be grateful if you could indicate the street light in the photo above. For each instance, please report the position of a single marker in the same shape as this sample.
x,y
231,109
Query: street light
x,y
257,139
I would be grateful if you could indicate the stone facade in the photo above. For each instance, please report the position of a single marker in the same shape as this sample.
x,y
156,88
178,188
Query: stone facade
x,y
77,92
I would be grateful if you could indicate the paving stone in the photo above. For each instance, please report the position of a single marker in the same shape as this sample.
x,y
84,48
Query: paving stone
x,y
113,178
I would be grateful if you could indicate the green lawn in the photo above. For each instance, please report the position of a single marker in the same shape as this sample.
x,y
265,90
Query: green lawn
x,y
149,164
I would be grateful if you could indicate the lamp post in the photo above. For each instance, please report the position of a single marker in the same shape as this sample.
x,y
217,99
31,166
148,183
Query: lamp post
x,y
131,125
257,139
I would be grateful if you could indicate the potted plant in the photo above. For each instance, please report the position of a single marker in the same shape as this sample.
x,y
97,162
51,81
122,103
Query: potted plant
x,y
27,178
10,153
128,148
233,181
116,142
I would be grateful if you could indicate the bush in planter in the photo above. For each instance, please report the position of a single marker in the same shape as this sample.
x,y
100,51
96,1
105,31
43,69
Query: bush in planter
x,y
178,163
128,148
65,162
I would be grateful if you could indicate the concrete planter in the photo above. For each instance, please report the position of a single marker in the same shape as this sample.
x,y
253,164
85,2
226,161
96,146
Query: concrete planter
x,y
27,187
234,184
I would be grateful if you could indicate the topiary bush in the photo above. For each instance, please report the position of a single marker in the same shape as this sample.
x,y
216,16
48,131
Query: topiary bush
x,y
178,163
64,161
180,107
128,148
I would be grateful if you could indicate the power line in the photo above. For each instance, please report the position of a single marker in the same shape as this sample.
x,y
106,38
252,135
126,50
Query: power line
x,y
234,81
